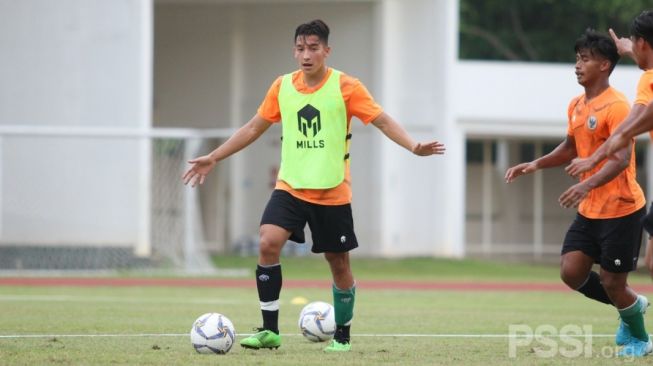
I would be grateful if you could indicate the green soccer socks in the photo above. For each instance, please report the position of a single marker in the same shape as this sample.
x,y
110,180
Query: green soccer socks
x,y
633,316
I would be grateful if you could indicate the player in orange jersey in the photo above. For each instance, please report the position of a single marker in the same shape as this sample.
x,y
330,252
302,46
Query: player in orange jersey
x,y
315,104
607,228
639,47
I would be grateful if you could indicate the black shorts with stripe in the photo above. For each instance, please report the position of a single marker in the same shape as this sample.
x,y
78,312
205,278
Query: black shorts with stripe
x,y
613,243
332,227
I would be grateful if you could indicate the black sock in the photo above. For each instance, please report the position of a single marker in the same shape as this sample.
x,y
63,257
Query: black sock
x,y
271,320
268,284
342,333
593,289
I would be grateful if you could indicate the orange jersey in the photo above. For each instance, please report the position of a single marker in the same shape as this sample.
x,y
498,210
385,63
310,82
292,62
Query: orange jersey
x,y
358,103
645,91
591,123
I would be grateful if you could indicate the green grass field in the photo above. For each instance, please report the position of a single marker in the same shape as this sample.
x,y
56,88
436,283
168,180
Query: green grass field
x,y
149,325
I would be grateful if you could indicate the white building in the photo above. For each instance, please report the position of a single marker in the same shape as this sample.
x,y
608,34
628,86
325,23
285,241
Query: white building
x,y
127,68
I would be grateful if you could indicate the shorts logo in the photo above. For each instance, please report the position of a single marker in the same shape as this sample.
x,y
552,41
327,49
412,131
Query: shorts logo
x,y
263,278
617,262
592,122
343,239
308,118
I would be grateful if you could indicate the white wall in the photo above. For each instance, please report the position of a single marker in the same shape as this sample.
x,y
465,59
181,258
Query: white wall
x,y
420,198
522,99
81,63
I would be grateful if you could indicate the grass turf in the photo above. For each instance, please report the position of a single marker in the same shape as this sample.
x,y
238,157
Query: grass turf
x,y
149,325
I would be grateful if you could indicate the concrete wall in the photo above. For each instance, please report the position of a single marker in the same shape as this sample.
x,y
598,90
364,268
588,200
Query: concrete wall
x,y
79,63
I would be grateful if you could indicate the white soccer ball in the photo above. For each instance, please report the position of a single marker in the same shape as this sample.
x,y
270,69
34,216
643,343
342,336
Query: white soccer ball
x,y
212,333
317,321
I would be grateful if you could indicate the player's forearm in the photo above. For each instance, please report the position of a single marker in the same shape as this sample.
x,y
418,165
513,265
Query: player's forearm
x,y
612,168
559,156
599,154
642,122
242,138
394,131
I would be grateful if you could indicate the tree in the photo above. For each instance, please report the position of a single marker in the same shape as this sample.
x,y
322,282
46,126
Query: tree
x,y
537,30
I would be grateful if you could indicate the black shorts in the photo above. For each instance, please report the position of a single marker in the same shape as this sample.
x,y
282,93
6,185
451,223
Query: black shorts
x,y
332,227
613,243
647,221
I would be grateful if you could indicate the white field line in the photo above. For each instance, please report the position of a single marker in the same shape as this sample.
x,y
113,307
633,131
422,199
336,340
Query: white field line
x,y
400,335
110,299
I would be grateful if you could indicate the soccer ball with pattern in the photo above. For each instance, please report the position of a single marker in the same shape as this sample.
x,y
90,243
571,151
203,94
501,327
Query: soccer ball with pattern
x,y
317,321
212,333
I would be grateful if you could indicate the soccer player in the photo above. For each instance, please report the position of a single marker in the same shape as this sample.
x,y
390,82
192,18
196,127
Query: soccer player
x,y
610,203
639,47
315,105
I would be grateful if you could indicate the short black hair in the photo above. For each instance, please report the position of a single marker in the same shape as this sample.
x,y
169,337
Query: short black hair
x,y
598,44
313,28
642,26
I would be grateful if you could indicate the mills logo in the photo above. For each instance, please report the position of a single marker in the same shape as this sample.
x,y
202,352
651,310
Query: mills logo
x,y
309,123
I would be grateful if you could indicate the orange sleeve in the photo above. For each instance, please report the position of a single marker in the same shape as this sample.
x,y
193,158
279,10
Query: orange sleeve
x,y
358,100
269,109
645,88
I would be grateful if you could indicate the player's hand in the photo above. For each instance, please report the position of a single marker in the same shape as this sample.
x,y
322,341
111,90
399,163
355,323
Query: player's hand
x,y
573,196
431,148
519,170
579,166
196,174
624,45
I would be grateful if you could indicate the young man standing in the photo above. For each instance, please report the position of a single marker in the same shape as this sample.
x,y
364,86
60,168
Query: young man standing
x,y
315,104
610,203
640,48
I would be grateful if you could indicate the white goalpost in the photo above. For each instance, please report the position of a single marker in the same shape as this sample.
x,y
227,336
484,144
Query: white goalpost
x,y
76,198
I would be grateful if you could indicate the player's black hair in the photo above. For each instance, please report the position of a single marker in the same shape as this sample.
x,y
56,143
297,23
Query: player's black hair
x,y
313,28
598,44
642,26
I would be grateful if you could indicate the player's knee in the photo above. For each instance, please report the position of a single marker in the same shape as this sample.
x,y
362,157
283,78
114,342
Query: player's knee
x,y
572,277
337,261
269,248
335,258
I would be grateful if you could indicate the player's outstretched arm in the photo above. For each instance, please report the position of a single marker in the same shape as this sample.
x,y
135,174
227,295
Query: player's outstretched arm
x,y
562,154
202,165
520,169
396,133
624,45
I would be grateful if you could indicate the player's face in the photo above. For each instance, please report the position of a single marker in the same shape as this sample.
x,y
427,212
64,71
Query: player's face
x,y
638,51
588,67
311,54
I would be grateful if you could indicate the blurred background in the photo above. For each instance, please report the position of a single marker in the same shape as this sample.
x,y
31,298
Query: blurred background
x,y
102,102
